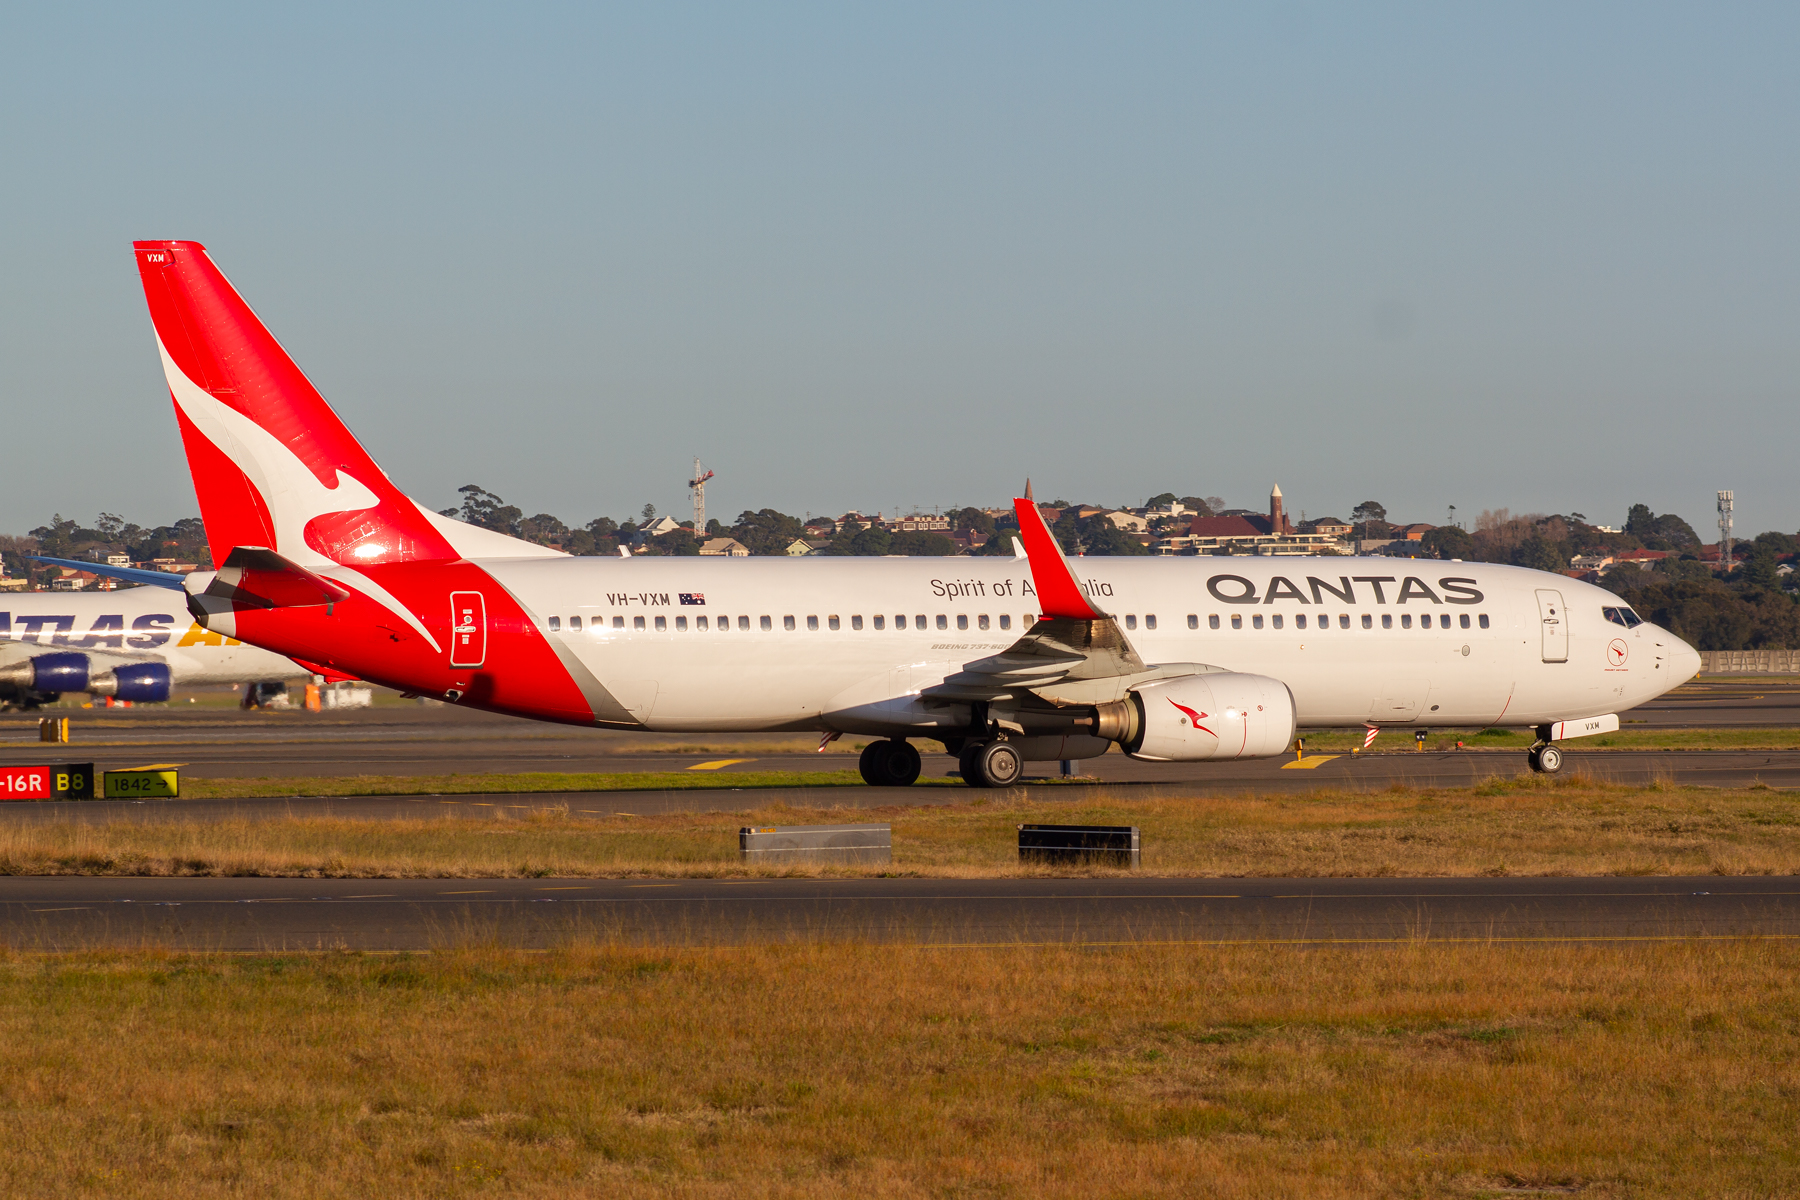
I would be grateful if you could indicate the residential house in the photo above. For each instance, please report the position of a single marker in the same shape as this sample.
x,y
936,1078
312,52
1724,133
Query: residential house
x,y
1128,522
798,548
1245,532
919,522
1590,562
728,547
659,527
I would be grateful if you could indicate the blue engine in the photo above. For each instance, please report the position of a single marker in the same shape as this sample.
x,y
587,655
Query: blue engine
x,y
64,672
143,683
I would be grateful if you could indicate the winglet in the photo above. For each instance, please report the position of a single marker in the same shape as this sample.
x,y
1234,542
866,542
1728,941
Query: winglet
x,y
1058,593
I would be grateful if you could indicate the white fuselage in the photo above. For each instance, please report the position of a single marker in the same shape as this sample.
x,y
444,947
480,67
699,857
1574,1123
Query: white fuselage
x,y
794,644
140,624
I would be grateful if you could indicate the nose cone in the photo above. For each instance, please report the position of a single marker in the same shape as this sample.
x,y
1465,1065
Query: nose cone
x,y
1683,659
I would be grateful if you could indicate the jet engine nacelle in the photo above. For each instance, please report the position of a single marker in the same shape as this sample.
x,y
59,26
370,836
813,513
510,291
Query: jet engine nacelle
x,y
67,671
1194,718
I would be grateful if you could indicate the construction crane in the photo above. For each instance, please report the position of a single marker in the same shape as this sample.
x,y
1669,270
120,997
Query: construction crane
x,y
698,484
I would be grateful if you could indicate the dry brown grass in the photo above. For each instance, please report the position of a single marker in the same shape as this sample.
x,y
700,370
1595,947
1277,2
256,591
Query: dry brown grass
x,y
802,1071
1530,825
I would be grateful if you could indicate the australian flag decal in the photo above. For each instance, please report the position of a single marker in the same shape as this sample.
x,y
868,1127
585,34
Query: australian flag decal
x,y
692,598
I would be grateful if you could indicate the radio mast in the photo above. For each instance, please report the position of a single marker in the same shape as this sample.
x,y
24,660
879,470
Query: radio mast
x,y
698,484
1724,531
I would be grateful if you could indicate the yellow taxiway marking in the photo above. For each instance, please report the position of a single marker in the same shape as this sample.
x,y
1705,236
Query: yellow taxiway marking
x,y
716,763
639,885
581,888
1309,762
476,892
44,910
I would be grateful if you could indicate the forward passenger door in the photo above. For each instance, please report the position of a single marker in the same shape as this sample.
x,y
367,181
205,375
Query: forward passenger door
x,y
1555,625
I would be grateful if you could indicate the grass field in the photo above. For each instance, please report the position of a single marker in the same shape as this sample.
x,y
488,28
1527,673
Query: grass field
x,y
1527,825
1426,1070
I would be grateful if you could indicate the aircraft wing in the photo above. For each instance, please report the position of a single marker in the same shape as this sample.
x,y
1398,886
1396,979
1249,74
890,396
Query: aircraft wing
x,y
1072,640
128,574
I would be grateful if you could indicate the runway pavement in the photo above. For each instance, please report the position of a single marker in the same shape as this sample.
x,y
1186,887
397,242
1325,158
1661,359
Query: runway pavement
x,y
385,914
405,739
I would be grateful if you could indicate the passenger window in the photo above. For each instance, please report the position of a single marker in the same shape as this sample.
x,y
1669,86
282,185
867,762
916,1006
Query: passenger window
x,y
1256,621
1344,620
744,623
812,623
1387,620
555,624
981,622
1275,620
856,621
1482,619
919,621
1405,621
942,622
681,624
1130,621
767,623
899,620
1193,620
637,622
662,624
700,623
1463,620
1149,620
831,622
1368,621
1006,620
1237,621
575,624
1425,621
1299,620
618,622
787,622
1212,620
1027,619
962,621
880,622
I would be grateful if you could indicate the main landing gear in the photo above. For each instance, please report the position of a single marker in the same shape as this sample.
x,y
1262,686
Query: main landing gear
x,y
990,764
889,764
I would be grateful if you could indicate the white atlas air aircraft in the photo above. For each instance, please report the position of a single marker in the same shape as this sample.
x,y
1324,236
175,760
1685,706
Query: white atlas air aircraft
x,y
1002,660
133,644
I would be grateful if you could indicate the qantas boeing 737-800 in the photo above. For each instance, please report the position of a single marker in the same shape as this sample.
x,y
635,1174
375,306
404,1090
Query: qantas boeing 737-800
x,y
1002,660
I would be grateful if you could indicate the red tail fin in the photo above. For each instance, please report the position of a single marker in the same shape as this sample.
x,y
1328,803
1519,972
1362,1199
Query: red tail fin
x,y
272,463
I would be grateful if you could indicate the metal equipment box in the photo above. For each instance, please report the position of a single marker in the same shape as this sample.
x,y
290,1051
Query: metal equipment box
x,y
1081,845
777,845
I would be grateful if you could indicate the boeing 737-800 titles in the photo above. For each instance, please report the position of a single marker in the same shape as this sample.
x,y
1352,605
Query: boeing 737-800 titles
x,y
1002,660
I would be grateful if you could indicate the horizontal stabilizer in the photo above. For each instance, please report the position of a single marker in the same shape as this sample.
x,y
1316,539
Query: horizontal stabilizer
x,y
166,579
256,577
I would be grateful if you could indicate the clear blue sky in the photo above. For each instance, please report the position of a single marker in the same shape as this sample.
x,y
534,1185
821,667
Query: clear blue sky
x,y
1534,256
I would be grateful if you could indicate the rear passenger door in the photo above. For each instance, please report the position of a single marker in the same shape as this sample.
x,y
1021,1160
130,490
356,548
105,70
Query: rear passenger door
x,y
468,629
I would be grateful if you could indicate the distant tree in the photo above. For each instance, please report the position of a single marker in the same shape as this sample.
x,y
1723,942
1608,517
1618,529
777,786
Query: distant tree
x,y
1778,544
1447,541
713,528
1205,506
871,541
1758,570
1540,553
767,531
481,507
1367,513
1101,536
649,514
677,542
923,543
1665,532
544,529
972,520
1161,500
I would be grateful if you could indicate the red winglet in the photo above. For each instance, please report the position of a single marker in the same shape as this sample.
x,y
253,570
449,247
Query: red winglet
x,y
1060,595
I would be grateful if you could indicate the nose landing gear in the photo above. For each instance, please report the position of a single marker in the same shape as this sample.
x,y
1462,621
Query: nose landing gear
x,y
1545,759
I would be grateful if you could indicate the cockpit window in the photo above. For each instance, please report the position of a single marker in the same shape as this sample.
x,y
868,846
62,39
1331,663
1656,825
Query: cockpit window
x,y
1622,616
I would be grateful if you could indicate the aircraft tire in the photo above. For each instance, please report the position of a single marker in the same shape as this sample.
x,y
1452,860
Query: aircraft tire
x,y
1549,759
995,765
891,763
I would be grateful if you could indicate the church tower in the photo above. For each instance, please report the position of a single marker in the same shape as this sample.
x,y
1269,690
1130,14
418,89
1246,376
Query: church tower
x,y
1277,515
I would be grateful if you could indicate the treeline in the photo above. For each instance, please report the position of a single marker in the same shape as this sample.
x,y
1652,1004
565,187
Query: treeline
x,y
64,537
1751,607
